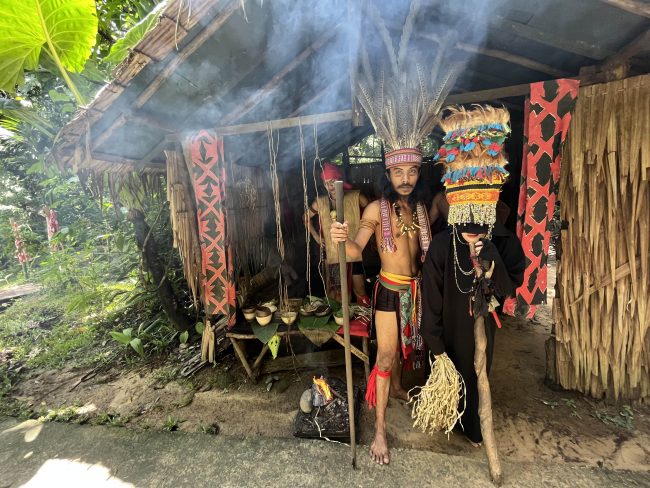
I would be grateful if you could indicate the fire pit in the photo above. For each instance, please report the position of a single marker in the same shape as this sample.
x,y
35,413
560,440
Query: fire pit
x,y
328,418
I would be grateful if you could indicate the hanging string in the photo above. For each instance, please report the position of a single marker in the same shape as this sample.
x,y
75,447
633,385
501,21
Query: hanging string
x,y
275,185
305,201
320,221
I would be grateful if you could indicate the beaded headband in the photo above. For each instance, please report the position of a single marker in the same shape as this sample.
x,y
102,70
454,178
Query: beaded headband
x,y
401,157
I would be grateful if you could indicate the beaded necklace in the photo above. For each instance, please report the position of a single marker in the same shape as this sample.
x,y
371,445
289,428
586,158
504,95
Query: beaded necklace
x,y
457,264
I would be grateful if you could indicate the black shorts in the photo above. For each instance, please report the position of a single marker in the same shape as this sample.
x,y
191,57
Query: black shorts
x,y
386,300
357,268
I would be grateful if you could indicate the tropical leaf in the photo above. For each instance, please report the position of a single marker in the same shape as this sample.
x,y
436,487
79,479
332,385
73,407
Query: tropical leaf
x,y
183,337
64,29
264,333
121,48
119,337
199,327
137,346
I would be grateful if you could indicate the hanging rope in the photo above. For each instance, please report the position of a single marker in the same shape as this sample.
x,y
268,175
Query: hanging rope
x,y
275,185
322,248
305,202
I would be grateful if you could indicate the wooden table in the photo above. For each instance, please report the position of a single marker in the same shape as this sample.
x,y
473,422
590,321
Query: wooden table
x,y
239,334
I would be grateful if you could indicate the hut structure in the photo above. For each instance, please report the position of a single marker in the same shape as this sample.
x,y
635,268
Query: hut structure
x,y
222,96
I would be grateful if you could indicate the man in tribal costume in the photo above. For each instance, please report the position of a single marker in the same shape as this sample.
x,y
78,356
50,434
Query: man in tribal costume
x,y
399,222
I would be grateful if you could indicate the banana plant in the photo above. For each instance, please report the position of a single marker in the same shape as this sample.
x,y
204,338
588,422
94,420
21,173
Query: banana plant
x,y
62,31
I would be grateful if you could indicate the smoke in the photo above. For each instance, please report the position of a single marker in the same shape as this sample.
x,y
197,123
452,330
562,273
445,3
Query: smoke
x,y
283,58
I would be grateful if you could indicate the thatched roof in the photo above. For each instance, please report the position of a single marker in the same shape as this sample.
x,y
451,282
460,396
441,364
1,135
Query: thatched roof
x,y
214,63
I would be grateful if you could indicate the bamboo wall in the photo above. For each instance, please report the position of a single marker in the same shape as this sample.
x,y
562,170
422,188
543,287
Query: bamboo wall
x,y
602,313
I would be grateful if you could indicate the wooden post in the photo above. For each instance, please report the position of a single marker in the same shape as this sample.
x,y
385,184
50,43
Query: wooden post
x,y
484,394
346,324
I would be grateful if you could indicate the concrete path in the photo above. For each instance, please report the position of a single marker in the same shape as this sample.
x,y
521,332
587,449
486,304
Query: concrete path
x,y
34,454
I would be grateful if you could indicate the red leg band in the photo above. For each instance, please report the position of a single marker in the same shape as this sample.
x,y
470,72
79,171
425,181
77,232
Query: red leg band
x,y
371,388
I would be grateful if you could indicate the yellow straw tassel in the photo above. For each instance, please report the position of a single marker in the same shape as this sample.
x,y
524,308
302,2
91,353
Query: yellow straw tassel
x,y
436,406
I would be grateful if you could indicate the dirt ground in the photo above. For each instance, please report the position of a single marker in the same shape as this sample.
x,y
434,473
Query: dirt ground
x,y
532,422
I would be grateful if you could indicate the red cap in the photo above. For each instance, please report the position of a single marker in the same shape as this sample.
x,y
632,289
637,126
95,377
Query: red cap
x,y
333,172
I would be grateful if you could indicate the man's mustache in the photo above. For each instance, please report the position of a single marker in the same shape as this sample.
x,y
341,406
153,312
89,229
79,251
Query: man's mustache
x,y
405,186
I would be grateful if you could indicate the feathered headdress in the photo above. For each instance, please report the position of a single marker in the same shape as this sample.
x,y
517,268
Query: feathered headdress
x,y
404,103
472,152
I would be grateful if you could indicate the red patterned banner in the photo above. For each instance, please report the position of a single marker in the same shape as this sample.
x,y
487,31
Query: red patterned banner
x,y
206,165
546,121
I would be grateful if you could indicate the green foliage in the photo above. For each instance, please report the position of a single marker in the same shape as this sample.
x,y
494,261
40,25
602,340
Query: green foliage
x,y
95,284
112,419
64,414
171,424
38,331
624,418
121,48
64,30
183,337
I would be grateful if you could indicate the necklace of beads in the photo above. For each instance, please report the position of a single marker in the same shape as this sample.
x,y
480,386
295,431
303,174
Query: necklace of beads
x,y
457,266
403,228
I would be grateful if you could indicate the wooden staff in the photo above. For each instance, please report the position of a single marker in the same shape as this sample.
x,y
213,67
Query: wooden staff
x,y
484,395
338,185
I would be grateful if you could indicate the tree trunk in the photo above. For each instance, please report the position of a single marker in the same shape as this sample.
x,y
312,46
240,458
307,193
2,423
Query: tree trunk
x,y
149,248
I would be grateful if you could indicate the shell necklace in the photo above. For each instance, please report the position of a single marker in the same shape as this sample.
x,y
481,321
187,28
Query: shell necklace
x,y
401,225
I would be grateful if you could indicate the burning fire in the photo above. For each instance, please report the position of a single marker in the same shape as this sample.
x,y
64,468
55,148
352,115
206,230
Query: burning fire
x,y
323,388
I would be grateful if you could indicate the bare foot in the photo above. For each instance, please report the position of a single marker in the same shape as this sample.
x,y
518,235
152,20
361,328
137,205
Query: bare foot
x,y
379,448
474,444
400,394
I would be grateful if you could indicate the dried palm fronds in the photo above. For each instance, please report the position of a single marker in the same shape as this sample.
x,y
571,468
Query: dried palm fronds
x,y
183,215
602,309
436,406
403,104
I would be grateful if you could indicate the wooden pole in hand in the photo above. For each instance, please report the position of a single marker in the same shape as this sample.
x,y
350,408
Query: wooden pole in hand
x,y
484,394
346,323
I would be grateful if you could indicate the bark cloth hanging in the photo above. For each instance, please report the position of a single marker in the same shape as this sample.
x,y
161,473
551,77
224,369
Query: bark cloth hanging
x,y
547,116
206,164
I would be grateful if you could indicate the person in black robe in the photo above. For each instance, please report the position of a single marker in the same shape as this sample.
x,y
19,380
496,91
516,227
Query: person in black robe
x,y
447,325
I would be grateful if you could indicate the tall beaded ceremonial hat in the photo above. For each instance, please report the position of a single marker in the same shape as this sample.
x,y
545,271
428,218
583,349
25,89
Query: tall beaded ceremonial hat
x,y
474,159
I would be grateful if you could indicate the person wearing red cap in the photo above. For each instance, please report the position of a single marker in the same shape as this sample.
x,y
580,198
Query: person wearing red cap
x,y
324,207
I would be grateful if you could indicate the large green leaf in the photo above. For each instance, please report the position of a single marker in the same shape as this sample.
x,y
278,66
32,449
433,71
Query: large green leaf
x,y
121,48
64,29
264,333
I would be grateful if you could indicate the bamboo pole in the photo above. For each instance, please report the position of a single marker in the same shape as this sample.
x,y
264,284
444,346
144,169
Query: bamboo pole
x,y
484,394
346,324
